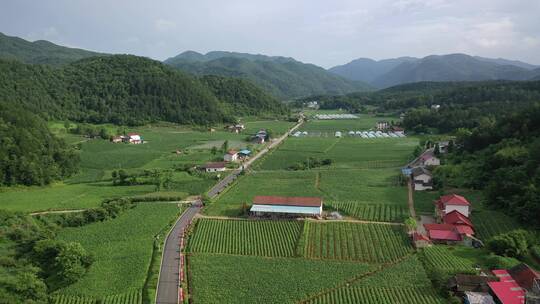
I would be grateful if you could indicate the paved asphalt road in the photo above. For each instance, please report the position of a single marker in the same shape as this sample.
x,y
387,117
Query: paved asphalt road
x,y
167,292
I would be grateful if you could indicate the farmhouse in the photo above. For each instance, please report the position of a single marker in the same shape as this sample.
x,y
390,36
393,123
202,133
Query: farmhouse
x,y
236,128
134,138
422,179
397,130
214,167
447,234
230,156
462,283
448,203
260,137
288,206
420,240
243,154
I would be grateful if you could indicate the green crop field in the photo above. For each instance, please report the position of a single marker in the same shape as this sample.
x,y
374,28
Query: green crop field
x,y
372,243
362,123
373,295
263,238
489,223
348,152
130,297
64,196
249,279
122,248
452,259
371,212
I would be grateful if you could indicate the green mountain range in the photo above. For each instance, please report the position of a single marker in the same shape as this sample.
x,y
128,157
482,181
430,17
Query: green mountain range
x,y
40,52
281,76
452,67
125,89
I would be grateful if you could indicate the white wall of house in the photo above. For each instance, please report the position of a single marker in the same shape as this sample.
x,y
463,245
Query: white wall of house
x,y
230,157
461,209
423,177
421,187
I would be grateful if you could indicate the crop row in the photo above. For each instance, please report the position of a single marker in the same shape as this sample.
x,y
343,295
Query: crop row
x,y
376,243
130,297
443,258
489,223
366,295
262,238
372,212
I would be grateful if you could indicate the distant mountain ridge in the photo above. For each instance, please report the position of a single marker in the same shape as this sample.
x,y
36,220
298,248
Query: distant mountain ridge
x,y
283,77
452,67
41,51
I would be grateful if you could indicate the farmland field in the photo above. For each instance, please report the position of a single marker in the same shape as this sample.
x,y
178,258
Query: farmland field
x,y
121,247
370,243
452,259
374,295
362,123
263,238
249,279
130,297
489,223
371,212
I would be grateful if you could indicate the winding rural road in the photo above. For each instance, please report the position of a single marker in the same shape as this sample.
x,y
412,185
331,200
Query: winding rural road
x,y
168,283
167,289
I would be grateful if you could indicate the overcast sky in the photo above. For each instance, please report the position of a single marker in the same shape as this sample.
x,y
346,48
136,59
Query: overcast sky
x,y
325,33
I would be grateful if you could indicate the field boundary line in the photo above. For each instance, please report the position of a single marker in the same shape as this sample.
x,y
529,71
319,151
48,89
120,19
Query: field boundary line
x,y
354,279
331,146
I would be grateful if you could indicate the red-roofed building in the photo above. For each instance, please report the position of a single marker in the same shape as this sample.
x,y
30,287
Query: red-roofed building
x,y
461,222
427,158
448,203
214,167
443,233
516,285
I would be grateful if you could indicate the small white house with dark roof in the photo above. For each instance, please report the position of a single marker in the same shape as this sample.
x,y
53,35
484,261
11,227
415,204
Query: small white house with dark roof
x,y
422,179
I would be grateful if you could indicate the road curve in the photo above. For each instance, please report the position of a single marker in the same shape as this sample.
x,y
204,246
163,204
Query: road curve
x,y
167,289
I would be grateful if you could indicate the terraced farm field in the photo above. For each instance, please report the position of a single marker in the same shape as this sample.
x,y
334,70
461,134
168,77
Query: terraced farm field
x,y
451,259
370,243
261,238
488,223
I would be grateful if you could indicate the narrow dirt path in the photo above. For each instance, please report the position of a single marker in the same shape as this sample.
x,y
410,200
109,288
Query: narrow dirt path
x,y
411,200
57,211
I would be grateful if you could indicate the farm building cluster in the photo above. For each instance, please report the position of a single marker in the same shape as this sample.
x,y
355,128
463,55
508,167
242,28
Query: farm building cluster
x,y
260,137
286,206
418,170
517,285
235,156
335,116
237,128
453,225
131,138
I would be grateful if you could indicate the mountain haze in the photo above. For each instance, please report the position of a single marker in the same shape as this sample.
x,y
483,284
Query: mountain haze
x,y
281,76
452,67
40,52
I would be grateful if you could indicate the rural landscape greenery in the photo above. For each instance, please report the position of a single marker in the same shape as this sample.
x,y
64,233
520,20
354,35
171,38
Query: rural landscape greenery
x,y
84,219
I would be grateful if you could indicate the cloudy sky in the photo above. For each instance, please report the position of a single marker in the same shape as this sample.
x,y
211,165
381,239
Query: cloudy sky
x,y
326,33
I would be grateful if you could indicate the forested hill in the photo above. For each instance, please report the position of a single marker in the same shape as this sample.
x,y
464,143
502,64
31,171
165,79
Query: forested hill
x,y
283,77
126,89
40,52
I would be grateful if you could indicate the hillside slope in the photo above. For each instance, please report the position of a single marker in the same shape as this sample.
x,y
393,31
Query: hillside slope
x,y
283,77
124,89
40,52
367,70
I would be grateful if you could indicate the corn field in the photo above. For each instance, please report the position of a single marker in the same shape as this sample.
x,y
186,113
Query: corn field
x,y
368,295
372,212
130,297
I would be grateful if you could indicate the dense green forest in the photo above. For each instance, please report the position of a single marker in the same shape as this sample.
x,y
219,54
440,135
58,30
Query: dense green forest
x,y
29,153
282,77
40,52
501,156
125,89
